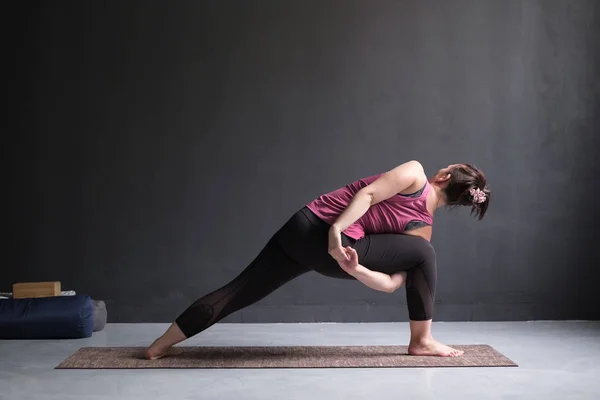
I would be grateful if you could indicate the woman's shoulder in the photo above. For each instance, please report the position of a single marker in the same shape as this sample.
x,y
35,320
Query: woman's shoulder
x,y
407,177
413,165
417,172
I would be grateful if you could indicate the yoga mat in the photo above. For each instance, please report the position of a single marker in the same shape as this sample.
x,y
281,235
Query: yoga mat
x,y
281,357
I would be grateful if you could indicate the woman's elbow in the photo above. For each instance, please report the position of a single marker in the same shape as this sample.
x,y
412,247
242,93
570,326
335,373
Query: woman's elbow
x,y
396,284
366,194
391,288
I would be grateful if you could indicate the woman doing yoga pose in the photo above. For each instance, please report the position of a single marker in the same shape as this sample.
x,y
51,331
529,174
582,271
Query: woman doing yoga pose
x,y
376,230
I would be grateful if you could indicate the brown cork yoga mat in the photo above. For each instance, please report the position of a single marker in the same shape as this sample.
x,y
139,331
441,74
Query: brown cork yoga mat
x,y
281,357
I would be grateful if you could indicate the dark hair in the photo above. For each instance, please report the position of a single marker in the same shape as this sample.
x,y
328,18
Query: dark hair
x,y
463,178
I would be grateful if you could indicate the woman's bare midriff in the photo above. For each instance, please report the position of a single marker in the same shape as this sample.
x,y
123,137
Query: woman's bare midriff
x,y
424,232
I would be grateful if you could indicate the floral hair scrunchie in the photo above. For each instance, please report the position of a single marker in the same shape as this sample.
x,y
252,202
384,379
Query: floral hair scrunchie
x,y
478,195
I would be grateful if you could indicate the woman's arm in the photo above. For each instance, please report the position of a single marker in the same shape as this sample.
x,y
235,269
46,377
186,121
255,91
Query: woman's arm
x,y
378,280
386,186
373,279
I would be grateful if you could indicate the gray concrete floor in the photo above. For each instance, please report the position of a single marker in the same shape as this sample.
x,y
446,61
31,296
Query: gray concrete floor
x,y
557,360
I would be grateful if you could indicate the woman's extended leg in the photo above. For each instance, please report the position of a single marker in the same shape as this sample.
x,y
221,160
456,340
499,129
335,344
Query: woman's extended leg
x,y
271,269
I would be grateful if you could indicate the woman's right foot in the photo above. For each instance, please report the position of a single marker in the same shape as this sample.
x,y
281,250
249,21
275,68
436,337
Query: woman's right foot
x,y
433,348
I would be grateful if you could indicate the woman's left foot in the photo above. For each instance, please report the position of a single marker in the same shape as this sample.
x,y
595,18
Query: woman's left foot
x,y
155,351
163,345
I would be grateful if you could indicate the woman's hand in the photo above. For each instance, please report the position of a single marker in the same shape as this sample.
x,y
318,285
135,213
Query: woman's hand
x,y
336,250
351,264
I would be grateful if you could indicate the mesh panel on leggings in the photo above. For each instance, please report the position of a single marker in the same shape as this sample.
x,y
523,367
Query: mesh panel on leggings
x,y
271,269
420,293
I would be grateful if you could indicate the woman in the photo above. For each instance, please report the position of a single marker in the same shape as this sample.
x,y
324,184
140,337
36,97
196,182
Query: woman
x,y
376,230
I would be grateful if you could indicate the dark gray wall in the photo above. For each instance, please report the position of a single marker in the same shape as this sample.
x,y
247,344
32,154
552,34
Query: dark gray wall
x,y
160,144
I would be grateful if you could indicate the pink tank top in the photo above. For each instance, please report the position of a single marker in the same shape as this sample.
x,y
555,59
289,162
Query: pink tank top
x,y
389,216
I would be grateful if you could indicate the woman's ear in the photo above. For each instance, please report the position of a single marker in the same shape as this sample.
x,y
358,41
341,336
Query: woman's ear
x,y
443,176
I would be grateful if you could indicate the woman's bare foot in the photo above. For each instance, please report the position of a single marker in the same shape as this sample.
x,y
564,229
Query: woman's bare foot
x,y
156,350
432,347
162,346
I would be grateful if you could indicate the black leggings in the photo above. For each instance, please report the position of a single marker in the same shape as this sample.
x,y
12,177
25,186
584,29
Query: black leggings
x,y
301,246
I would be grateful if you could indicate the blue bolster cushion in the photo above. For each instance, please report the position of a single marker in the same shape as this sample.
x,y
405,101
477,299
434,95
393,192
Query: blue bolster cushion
x,y
60,317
